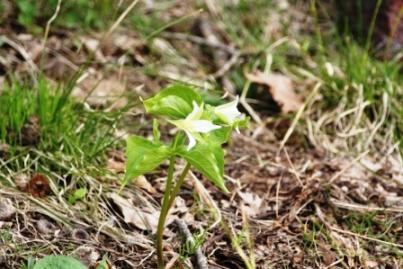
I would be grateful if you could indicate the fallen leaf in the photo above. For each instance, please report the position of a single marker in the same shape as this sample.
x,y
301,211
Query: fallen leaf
x,y
115,165
143,183
98,91
143,218
252,202
281,89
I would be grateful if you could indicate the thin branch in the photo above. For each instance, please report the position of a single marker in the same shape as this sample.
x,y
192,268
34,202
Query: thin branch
x,y
201,260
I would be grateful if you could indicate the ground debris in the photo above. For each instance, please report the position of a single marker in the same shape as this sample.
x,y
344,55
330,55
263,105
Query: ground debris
x,y
7,210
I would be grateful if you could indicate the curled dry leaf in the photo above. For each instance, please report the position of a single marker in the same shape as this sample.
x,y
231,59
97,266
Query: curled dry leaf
x,y
281,89
252,202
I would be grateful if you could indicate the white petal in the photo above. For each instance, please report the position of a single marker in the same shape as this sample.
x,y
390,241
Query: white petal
x,y
192,140
201,126
228,112
196,112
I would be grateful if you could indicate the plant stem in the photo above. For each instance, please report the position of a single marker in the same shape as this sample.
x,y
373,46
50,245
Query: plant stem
x,y
178,185
164,213
169,197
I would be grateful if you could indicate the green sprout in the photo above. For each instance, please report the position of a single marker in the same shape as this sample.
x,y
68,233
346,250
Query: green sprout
x,y
202,130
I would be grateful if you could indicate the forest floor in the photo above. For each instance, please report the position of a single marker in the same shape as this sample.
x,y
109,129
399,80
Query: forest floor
x,y
316,181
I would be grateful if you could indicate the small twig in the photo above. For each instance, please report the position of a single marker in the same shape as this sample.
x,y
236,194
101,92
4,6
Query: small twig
x,y
246,105
47,29
207,199
120,19
227,66
177,21
201,260
299,115
341,172
23,52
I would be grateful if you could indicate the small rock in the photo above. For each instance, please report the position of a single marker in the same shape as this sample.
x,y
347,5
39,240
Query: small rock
x,y
7,210
45,227
21,181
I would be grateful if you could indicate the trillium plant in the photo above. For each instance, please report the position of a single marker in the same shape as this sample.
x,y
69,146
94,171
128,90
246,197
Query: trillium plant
x,y
201,128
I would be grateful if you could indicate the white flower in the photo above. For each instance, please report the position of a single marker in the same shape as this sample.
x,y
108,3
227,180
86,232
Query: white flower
x,y
192,125
229,112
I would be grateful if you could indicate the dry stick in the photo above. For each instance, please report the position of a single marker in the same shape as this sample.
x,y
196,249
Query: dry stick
x,y
299,114
363,208
246,105
201,260
47,29
207,199
293,170
120,19
104,37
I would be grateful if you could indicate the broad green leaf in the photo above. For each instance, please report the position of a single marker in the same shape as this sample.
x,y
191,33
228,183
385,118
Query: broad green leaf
x,y
219,136
174,101
143,156
59,262
208,158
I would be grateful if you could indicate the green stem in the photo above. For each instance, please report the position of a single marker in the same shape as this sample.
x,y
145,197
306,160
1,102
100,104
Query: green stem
x,y
164,213
169,198
178,185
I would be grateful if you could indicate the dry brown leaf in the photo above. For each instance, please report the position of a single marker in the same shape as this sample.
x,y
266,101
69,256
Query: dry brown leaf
x,y
115,165
101,91
92,45
143,183
142,218
281,89
252,202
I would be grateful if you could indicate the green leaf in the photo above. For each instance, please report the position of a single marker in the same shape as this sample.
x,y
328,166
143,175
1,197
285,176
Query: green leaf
x,y
77,195
208,158
59,262
219,136
156,131
174,101
143,156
